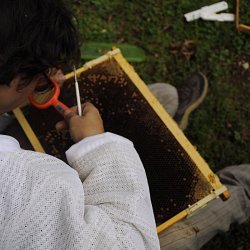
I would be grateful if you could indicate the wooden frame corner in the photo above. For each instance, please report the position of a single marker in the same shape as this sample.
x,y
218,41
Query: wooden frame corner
x,y
241,27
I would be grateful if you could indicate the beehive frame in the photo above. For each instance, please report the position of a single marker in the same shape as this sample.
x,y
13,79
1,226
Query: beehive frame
x,y
216,188
239,26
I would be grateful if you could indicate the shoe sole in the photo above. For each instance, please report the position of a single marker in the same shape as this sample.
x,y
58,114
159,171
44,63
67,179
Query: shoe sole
x,y
184,122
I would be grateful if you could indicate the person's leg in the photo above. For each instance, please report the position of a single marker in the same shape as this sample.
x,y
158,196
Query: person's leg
x,y
195,231
167,95
179,103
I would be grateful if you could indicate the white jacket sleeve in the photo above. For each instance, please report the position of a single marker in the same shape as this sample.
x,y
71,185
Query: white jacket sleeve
x,y
45,205
116,190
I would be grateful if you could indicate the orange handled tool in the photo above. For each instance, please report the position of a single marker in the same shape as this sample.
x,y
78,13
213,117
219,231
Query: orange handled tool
x,y
51,101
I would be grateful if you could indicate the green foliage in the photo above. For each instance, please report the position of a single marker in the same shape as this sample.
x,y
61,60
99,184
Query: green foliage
x,y
220,127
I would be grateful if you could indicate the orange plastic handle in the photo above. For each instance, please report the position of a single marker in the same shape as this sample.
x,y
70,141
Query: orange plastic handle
x,y
53,101
60,107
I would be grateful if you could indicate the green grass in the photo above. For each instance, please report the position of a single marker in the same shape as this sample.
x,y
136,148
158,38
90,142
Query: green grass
x,y
220,127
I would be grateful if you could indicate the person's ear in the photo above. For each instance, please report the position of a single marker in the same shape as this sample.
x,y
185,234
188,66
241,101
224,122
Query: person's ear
x,y
14,84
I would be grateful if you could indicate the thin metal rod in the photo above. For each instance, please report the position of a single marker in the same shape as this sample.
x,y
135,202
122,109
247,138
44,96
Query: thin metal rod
x,y
79,106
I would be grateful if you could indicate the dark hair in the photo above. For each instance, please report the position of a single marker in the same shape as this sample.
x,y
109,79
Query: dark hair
x,y
35,35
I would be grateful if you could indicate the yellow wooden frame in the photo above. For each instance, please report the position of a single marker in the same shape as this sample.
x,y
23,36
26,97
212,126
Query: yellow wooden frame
x,y
216,186
239,26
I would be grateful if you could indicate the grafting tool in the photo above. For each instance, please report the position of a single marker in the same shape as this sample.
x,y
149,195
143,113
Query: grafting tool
x,y
79,106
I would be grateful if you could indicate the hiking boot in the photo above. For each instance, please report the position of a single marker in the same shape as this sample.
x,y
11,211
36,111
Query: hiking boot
x,y
190,97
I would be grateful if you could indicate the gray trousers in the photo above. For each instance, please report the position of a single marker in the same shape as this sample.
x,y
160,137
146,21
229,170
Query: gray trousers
x,y
195,231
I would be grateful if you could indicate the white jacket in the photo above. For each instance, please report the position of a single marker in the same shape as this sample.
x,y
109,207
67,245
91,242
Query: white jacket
x,y
103,204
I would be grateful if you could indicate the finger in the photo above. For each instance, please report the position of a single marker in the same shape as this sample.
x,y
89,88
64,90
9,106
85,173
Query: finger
x,y
74,109
61,125
58,76
87,106
68,115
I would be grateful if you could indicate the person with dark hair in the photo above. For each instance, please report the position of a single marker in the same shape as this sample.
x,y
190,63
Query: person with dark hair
x,y
35,36
102,201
